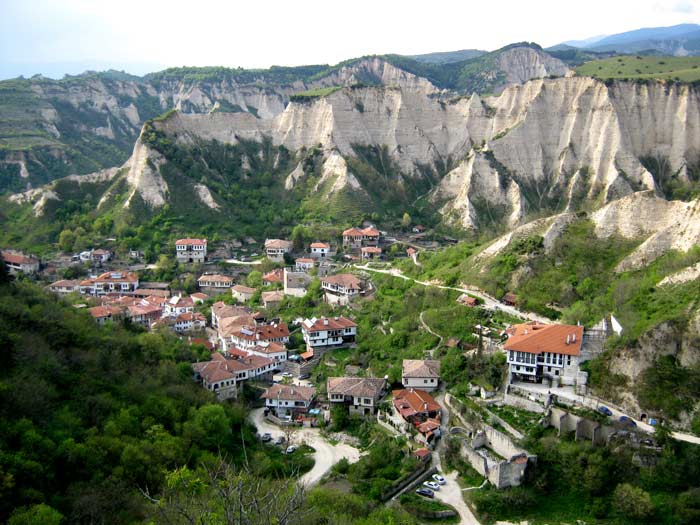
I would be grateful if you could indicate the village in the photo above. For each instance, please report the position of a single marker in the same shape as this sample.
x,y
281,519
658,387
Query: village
x,y
255,349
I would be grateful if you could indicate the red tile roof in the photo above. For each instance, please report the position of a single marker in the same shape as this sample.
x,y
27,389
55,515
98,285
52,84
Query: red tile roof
x,y
217,278
346,280
536,338
190,242
327,323
99,312
263,332
321,245
411,402
356,232
117,277
371,249
275,276
17,258
429,425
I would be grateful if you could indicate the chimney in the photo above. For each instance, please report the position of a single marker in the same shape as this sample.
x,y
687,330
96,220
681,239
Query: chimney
x,y
568,339
573,338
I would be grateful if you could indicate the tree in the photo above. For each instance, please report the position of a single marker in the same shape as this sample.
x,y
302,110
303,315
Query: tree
x,y
254,279
223,494
299,237
66,240
406,220
40,514
632,502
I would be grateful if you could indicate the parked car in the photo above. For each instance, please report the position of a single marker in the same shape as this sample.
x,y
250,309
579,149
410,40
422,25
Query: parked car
x,y
431,485
266,437
287,374
605,410
439,479
653,422
279,440
425,492
290,449
627,421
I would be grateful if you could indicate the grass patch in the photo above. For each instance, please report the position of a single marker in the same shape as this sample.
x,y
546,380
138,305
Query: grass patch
x,y
681,69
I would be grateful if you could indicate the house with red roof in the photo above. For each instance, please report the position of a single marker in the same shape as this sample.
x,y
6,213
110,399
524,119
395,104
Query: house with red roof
x,y
215,281
114,282
537,351
276,248
416,406
356,238
19,263
248,337
328,331
320,250
341,288
288,400
104,314
191,250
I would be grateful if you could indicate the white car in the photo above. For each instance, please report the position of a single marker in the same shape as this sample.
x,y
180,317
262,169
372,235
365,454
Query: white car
x,y
439,479
431,485
290,449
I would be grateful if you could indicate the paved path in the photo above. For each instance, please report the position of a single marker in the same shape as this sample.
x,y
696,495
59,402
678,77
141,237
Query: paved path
x,y
451,492
490,303
594,403
326,454
238,261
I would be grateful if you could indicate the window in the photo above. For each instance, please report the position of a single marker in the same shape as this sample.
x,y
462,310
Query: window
x,y
425,381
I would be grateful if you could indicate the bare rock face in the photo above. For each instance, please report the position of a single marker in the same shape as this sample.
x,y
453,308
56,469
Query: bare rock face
x,y
541,145
525,63
143,176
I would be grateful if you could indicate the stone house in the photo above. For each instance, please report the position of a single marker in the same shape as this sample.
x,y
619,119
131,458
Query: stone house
x,y
288,400
360,395
328,331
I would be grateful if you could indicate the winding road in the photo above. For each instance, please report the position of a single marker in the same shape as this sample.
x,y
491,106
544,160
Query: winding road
x,y
490,303
326,454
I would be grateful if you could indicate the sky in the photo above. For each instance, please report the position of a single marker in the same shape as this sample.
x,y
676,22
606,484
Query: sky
x,y
53,37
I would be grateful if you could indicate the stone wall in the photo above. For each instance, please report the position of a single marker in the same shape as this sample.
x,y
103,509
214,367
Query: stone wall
x,y
523,403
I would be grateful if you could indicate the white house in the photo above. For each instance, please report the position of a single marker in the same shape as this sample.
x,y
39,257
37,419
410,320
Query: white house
x,y
288,400
249,336
320,250
272,350
217,376
18,263
276,248
116,282
191,250
537,351
360,394
190,321
242,293
419,373
341,288
104,314
215,281
65,286
304,264
355,238
327,331
100,255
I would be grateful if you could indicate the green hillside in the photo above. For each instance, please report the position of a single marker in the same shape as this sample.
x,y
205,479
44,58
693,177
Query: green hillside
x,y
682,69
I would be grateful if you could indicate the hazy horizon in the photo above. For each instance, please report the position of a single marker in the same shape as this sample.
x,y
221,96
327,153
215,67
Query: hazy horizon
x,y
53,37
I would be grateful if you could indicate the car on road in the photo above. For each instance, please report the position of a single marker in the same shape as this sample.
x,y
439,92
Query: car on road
x,y
431,485
290,449
627,421
425,492
279,440
287,374
266,437
439,479
605,410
